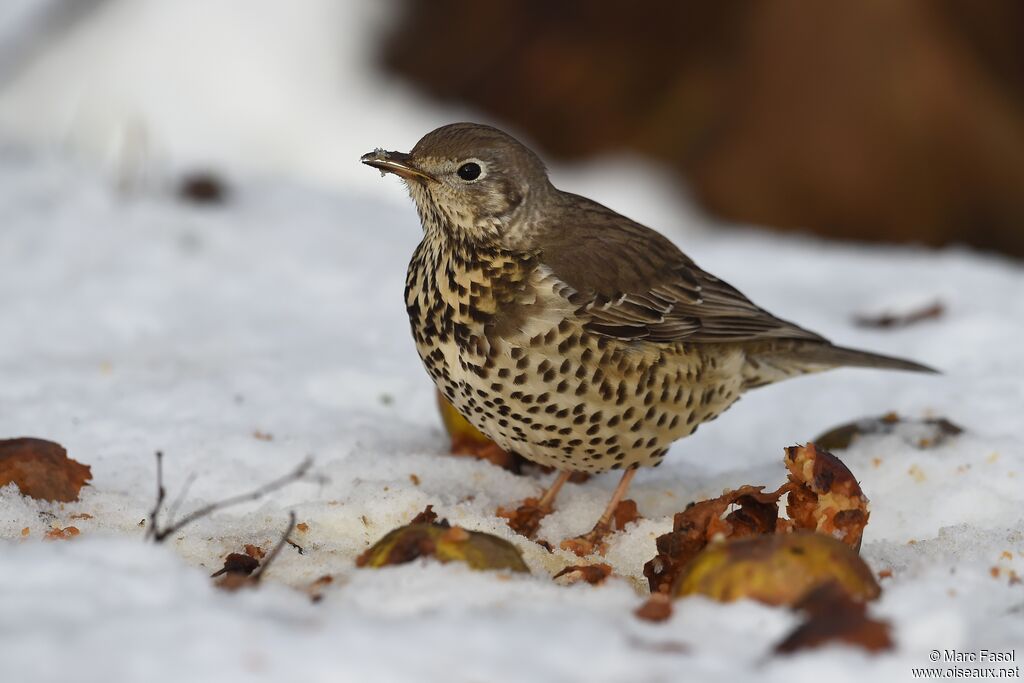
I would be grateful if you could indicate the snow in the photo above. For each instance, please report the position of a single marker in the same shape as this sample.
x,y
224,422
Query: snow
x,y
132,322
136,323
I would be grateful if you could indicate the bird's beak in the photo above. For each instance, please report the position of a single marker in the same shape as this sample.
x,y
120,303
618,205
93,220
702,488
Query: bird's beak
x,y
398,163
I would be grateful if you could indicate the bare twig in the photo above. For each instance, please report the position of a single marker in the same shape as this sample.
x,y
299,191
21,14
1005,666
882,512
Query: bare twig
x,y
160,495
159,535
277,548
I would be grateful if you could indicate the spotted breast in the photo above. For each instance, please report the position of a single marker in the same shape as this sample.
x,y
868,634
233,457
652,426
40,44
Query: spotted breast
x,y
496,330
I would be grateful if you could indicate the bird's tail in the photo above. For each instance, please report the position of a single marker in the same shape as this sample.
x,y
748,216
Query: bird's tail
x,y
838,356
780,362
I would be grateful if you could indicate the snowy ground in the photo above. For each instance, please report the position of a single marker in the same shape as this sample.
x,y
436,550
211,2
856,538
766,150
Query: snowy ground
x,y
131,323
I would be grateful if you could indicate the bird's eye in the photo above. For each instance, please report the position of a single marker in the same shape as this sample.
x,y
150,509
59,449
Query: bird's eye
x,y
469,171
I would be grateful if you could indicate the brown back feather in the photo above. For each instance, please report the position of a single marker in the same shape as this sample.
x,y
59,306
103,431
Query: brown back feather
x,y
631,282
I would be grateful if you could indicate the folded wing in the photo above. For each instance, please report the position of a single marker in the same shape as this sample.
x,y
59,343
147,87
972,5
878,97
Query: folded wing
x,y
629,282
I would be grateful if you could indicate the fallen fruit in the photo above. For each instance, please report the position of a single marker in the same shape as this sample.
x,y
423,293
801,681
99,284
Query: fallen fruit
x,y
755,512
824,495
831,616
919,433
778,569
446,543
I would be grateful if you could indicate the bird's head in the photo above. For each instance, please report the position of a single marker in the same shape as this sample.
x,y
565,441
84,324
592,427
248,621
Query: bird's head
x,y
471,180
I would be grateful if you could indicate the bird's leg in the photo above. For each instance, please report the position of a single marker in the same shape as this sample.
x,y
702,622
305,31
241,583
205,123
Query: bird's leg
x,y
594,539
546,501
526,518
617,495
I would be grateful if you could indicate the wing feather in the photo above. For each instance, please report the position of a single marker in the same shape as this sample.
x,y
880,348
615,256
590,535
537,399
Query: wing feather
x,y
629,282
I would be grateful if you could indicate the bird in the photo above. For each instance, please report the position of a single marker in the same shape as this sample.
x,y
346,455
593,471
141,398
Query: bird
x,y
568,333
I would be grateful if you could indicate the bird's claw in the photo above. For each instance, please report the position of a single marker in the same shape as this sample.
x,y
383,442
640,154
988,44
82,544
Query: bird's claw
x,y
526,518
589,543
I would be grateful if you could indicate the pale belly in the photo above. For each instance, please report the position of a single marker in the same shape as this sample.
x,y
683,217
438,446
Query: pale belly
x,y
498,341
575,401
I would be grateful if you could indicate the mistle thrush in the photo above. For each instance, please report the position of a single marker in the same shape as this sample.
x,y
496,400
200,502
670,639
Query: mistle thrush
x,y
566,332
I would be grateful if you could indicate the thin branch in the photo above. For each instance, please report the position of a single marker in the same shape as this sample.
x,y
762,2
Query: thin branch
x,y
277,548
159,535
160,495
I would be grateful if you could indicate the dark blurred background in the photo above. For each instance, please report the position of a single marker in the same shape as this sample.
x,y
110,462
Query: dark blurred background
x,y
873,120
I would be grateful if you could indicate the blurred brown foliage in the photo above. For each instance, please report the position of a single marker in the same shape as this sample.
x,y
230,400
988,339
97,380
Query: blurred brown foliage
x,y
874,120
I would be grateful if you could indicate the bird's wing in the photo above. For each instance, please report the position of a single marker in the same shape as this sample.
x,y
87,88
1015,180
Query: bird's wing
x,y
629,282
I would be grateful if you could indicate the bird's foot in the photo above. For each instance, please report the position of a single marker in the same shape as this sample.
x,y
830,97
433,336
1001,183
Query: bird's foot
x,y
589,543
593,541
526,518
